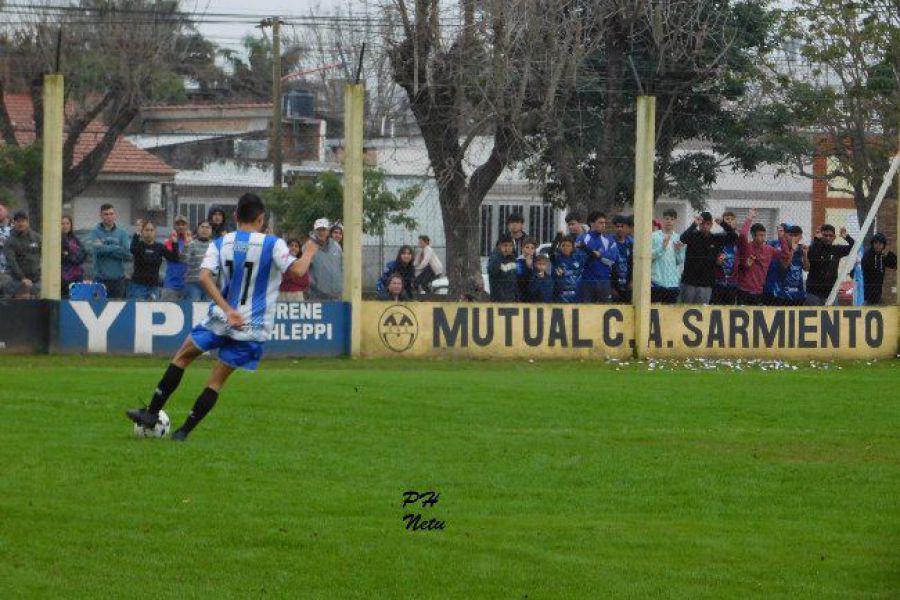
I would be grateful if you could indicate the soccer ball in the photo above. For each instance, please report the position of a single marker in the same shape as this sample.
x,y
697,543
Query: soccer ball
x,y
159,430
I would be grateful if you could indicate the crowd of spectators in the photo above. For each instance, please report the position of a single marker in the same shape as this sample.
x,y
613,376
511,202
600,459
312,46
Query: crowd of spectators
x,y
712,261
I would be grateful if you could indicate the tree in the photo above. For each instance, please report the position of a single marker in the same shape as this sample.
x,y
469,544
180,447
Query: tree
x,y
700,61
492,70
115,54
843,95
298,206
251,77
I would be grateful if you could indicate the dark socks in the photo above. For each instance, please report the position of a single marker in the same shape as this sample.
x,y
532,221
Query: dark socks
x,y
166,386
203,405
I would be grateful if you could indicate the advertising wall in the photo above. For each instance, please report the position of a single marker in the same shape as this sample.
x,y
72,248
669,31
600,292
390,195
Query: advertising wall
x,y
301,328
598,331
25,325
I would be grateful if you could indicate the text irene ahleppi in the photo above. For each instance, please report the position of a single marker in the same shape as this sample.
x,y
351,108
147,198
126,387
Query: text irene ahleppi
x,y
414,521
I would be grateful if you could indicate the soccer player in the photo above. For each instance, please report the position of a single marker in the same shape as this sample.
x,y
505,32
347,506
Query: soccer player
x,y
241,314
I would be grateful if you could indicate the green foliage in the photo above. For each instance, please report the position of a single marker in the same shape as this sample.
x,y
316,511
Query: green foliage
x,y
382,206
297,207
844,88
16,163
705,101
251,76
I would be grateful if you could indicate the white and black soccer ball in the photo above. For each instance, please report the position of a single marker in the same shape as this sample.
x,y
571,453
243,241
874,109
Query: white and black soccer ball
x,y
159,430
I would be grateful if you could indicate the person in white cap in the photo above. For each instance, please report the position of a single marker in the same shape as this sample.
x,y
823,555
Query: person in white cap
x,y
326,274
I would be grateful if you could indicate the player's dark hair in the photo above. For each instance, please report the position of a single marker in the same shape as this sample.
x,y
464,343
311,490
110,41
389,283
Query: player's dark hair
x,y
249,207
757,227
728,213
405,248
620,220
567,238
514,218
573,216
670,212
106,207
597,214
425,239
827,227
504,238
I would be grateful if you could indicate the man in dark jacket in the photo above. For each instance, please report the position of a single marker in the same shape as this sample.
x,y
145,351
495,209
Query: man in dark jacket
x,y
148,256
702,249
874,262
23,258
824,257
515,225
216,218
502,271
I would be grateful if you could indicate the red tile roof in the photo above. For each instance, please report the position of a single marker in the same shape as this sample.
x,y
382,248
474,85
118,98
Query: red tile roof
x,y
124,159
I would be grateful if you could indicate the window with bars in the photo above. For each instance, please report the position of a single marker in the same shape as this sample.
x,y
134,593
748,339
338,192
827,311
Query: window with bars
x,y
540,222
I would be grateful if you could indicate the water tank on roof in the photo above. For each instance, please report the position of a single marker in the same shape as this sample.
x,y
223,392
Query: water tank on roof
x,y
298,103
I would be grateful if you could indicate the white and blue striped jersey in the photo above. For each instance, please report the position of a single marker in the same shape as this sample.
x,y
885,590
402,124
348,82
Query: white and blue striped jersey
x,y
250,267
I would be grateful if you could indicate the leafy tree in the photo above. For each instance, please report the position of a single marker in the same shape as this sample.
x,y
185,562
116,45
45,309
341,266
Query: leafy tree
x,y
297,207
703,73
17,162
251,76
843,92
115,55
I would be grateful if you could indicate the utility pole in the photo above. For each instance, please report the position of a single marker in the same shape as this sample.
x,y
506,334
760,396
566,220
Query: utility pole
x,y
52,180
275,151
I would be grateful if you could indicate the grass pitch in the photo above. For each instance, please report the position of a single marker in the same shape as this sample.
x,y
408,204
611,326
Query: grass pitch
x,y
556,480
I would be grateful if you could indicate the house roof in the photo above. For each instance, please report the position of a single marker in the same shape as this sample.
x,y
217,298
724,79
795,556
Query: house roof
x,y
124,159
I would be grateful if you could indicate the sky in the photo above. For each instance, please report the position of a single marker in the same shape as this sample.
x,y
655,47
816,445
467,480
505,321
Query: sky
x,y
230,34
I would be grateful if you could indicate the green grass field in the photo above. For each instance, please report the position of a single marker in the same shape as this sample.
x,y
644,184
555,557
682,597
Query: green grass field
x,y
556,480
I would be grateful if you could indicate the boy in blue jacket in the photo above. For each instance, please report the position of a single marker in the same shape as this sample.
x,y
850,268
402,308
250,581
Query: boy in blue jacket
x,y
542,285
600,256
567,269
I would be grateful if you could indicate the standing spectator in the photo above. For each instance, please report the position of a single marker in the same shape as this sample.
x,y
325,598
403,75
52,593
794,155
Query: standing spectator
x,y
326,273
542,286
525,269
725,290
148,256
23,258
874,262
622,272
428,265
193,259
790,289
73,256
292,288
667,254
702,249
600,257
216,218
824,257
574,227
772,286
567,268
515,226
5,232
110,245
403,266
337,234
177,244
754,258
502,271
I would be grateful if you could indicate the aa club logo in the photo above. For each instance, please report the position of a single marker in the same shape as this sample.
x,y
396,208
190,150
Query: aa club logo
x,y
398,328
